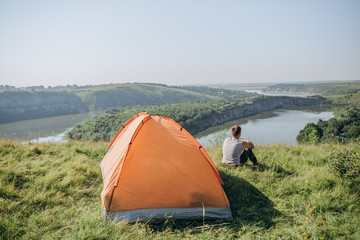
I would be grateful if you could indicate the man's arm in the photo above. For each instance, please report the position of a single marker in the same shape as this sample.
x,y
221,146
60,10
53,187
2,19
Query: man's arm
x,y
247,144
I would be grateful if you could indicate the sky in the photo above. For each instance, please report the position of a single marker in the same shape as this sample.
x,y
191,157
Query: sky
x,y
178,42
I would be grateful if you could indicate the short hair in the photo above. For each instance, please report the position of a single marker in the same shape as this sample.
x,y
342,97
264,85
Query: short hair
x,y
235,130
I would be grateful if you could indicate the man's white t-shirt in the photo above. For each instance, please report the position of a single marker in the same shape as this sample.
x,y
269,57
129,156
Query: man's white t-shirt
x,y
232,149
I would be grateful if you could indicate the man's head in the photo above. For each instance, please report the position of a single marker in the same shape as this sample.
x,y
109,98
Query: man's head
x,y
236,131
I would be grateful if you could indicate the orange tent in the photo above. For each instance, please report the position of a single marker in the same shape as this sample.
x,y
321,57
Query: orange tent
x,y
154,168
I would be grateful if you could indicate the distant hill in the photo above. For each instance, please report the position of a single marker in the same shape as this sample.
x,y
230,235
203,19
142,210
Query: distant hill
x,y
20,104
325,89
103,97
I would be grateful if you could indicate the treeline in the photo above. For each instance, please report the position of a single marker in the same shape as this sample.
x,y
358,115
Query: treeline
x,y
326,89
217,92
344,128
39,88
194,117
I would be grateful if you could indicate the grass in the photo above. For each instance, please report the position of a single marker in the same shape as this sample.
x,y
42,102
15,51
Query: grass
x,y
52,191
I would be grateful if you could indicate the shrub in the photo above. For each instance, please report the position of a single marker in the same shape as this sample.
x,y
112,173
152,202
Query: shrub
x,y
310,134
346,164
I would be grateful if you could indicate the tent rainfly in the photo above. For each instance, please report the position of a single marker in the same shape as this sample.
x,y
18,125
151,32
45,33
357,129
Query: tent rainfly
x,y
155,169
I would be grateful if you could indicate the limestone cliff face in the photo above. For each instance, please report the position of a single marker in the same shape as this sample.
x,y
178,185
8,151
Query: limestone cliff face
x,y
264,104
259,105
23,105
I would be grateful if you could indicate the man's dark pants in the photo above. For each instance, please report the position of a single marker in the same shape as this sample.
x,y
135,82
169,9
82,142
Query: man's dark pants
x,y
247,154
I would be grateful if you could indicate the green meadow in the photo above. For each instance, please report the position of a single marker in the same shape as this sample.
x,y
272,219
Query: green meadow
x,y
52,191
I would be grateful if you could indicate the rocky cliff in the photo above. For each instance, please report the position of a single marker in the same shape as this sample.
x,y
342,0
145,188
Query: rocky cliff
x,y
259,105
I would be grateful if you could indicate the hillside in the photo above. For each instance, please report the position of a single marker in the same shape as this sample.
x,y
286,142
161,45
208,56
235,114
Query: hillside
x,y
139,94
324,89
194,117
24,105
104,97
52,191
16,105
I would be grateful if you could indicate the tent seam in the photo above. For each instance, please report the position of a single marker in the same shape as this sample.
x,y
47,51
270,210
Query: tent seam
x,y
127,151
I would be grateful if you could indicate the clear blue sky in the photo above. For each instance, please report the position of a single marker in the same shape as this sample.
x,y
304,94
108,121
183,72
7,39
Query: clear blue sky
x,y
61,42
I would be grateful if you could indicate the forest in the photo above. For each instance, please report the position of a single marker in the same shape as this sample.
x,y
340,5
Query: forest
x,y
324,89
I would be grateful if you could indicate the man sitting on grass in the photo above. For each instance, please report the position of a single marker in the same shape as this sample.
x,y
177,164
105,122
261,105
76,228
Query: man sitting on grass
x,y
235,151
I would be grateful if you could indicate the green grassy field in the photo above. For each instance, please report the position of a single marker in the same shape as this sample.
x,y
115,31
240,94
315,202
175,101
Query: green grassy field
x,y
52,191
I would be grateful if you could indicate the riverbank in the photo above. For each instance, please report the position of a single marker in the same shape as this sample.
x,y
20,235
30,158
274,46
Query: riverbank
x,y
46,128
257,106
194,117
285,124
53,191
34,103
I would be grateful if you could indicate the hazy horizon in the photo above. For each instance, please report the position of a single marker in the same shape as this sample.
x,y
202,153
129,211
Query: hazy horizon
x,y
245,84
53,43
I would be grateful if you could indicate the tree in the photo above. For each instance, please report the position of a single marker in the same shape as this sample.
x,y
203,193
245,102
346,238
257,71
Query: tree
x,y
342,129
310,134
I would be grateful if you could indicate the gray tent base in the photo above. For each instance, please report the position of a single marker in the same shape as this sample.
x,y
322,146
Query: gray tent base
x,y
160,214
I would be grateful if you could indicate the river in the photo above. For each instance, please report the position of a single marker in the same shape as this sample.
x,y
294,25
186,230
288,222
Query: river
x,y
51,129
281,126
